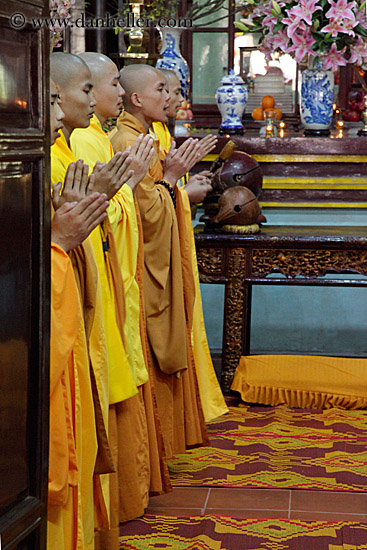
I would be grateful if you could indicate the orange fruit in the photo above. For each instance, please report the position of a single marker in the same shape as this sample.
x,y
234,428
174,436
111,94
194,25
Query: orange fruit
x,y
267,102
278,115
258,113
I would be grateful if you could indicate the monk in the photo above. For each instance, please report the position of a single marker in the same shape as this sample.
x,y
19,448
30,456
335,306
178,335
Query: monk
x,y
168,278
141,463
70,392
195,190
106,370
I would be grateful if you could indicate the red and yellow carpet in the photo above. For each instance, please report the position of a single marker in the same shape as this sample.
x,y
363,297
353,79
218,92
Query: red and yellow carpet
x,y
278,447
225,533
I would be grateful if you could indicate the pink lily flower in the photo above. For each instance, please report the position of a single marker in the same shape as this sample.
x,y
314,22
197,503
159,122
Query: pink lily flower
x,y
293,25
334,58
304,10
359,52
342,10
302,43
335,26
281,40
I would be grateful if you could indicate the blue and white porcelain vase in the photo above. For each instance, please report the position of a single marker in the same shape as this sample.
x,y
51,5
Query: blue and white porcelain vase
x,y
231,98
317,97
172,58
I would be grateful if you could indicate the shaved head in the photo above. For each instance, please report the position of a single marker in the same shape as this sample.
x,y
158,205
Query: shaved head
x,y
106,87
147,96
169,75
99,65
66,68
74,83
136,78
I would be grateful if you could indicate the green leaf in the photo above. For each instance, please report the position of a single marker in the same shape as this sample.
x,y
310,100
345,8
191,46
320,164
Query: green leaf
x,y
277,27
316,24
360,30
363,5
241,26
273,12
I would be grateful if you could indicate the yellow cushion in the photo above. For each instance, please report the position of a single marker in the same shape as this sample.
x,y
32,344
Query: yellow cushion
x,y
304,381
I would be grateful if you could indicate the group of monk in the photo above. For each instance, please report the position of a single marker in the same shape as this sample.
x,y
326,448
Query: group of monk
x,y
131,379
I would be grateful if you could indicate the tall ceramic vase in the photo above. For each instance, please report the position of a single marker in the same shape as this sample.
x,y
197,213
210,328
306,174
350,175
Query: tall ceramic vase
x,y
317,98
172,58
231,98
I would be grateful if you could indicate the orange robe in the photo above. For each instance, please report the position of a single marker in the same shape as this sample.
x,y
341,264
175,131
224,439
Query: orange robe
x,y
169,297
134,430
212,399
73,440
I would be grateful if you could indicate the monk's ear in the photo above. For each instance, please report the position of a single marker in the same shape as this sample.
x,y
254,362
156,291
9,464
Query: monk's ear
x,y
135,99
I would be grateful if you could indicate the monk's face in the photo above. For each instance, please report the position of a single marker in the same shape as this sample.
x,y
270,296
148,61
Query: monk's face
x,y
78,100
108,92
155,98
176,97
56,113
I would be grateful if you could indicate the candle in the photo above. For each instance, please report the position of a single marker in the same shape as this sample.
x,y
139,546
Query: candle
x,y
282,124
281,132
339,124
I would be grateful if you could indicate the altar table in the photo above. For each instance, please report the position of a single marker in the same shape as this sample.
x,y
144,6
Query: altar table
x,y
301,255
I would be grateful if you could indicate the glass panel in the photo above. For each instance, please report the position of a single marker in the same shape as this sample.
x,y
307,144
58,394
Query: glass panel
x,y
325,320
218,18
210,62
15,300
14,73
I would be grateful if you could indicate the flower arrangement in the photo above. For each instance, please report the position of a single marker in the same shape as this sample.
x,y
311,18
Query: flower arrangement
x,y
59,9
333,29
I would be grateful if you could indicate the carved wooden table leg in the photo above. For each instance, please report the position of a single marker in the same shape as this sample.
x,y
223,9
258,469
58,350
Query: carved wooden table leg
x,y
236,326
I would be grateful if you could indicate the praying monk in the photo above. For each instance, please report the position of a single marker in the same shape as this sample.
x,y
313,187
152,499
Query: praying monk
x,y
71,401
168,279
94,267
141,465
194,190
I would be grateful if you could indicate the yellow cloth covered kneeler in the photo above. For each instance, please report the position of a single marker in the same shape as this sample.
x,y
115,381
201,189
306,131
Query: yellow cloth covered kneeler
x,y
211,396
303,381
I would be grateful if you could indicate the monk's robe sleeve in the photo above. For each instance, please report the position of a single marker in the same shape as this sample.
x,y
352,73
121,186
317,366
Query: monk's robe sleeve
x,y
65,322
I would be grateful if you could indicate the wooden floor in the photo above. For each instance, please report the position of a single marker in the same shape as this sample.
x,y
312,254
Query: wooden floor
x,y
262,503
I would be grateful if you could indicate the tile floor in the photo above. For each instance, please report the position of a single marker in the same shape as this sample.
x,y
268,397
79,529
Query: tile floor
x,y
262,503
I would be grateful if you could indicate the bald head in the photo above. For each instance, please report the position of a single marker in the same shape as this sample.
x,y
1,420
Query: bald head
x,y
99,65
169,75
136,78
106,87
65,68
74,83
147,96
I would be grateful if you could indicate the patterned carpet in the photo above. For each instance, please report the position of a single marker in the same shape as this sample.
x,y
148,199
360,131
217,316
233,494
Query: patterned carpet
x,y
225,533
277,447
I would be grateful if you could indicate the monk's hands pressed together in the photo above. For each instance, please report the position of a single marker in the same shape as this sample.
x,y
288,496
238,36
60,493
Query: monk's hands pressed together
x,y
73,221
75,185
206,145
141,156
111,176
179,161
199,186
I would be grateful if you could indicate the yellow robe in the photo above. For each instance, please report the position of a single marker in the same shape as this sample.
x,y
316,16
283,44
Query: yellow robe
x,y
211,396
104,342
169,297
73,441
92,145
134,426
120,380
